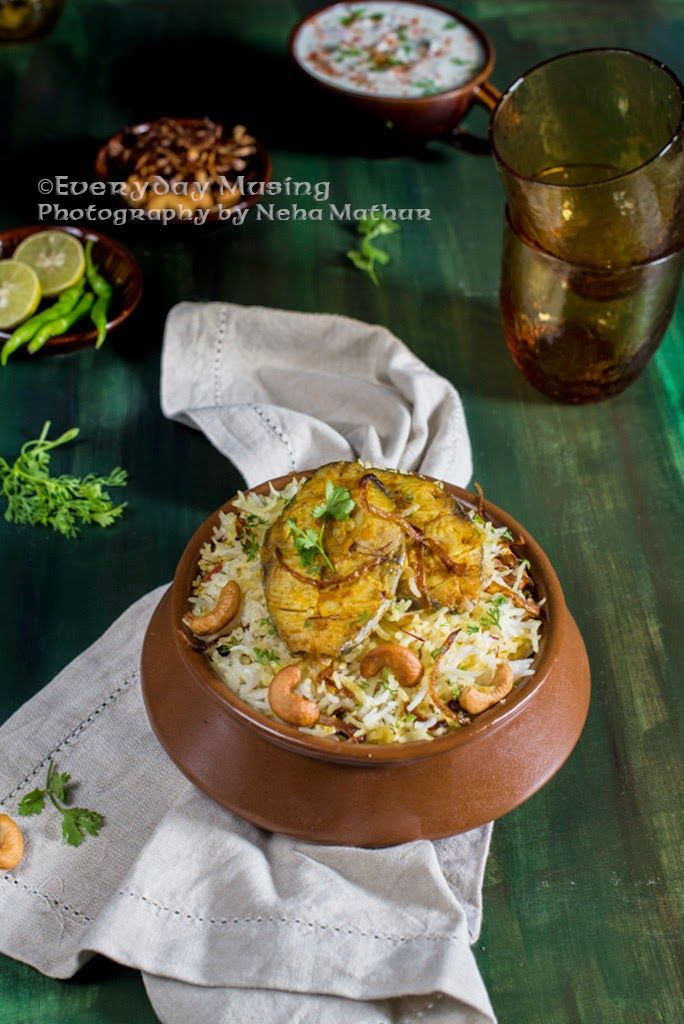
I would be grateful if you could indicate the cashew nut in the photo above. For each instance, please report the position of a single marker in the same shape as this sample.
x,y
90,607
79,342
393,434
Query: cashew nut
x,y
288,705
11,843
474,700
226,608
405,665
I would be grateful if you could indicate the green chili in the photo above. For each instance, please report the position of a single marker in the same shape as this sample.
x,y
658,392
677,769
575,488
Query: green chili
x,y
26,331
103,290
98,314
62,324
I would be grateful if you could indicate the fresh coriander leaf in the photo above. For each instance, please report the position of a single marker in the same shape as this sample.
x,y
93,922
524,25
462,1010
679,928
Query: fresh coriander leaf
x,y
309,545
363,617
71,833
89,821
338,503
507,535
267,623
458,61
452,23
32,803
472,629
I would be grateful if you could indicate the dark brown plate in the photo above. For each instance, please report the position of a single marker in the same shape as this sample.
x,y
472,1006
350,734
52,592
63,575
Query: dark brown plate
x,y
109,168
117,265
328,791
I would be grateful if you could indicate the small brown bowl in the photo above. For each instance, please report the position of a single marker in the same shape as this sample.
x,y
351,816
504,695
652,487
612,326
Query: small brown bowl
x,y
419,118
117,265
328,791
109,168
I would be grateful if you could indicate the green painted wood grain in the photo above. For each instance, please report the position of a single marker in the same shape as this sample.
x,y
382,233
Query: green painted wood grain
x,y
584,884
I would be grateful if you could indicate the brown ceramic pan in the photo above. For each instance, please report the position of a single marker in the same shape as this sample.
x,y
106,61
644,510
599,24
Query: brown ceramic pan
x,y
324,790
420,118
116,263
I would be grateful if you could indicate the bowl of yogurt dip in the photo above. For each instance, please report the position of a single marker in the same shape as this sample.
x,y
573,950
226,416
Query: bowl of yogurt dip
x,y
416,66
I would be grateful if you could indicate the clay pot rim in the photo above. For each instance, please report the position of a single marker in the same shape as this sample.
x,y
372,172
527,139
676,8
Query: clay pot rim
x,y
227,702
461,91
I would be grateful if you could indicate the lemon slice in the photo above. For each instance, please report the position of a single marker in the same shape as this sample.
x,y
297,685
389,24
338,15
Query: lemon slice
x,y
19,292
57,258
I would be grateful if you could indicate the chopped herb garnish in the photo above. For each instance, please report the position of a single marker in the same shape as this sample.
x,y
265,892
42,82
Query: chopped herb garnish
x,y
77,822
363,617
472,629
458,61
309,545
267,624
427,87
451,24
248,539
525,564
338,503
493,613
264,656
353,16
507,535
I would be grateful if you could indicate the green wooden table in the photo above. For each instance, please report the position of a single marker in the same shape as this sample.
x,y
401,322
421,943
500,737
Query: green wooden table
x,y
582,884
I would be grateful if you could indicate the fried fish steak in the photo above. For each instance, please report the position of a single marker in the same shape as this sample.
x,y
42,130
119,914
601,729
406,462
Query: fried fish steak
x,y
330,611
445,550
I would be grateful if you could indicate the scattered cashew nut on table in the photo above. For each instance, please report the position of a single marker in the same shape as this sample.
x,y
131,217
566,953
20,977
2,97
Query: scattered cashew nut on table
x,y
11,843
474,700
405,665
288,705
225,609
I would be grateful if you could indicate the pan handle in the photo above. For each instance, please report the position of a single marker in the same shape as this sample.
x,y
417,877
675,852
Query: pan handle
x,y
488,95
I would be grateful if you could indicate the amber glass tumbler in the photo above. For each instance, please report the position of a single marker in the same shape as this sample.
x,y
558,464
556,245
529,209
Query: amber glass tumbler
x,y
590,146
579,333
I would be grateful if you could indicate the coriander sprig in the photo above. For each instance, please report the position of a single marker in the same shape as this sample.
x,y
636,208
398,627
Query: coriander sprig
x,y
65,503
368,255
77,822
307,541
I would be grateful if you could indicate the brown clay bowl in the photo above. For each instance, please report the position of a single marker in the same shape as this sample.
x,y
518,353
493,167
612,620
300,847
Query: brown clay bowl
x,y
117,265
326,791
109,168
419,118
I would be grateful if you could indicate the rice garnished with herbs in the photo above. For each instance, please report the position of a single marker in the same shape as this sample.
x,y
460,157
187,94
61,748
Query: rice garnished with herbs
x,y
500,625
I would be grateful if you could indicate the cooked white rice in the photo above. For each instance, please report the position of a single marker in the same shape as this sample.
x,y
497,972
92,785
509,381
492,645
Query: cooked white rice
x,y
379,709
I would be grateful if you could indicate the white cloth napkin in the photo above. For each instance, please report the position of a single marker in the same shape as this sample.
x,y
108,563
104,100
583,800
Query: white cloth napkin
x,y
227,922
